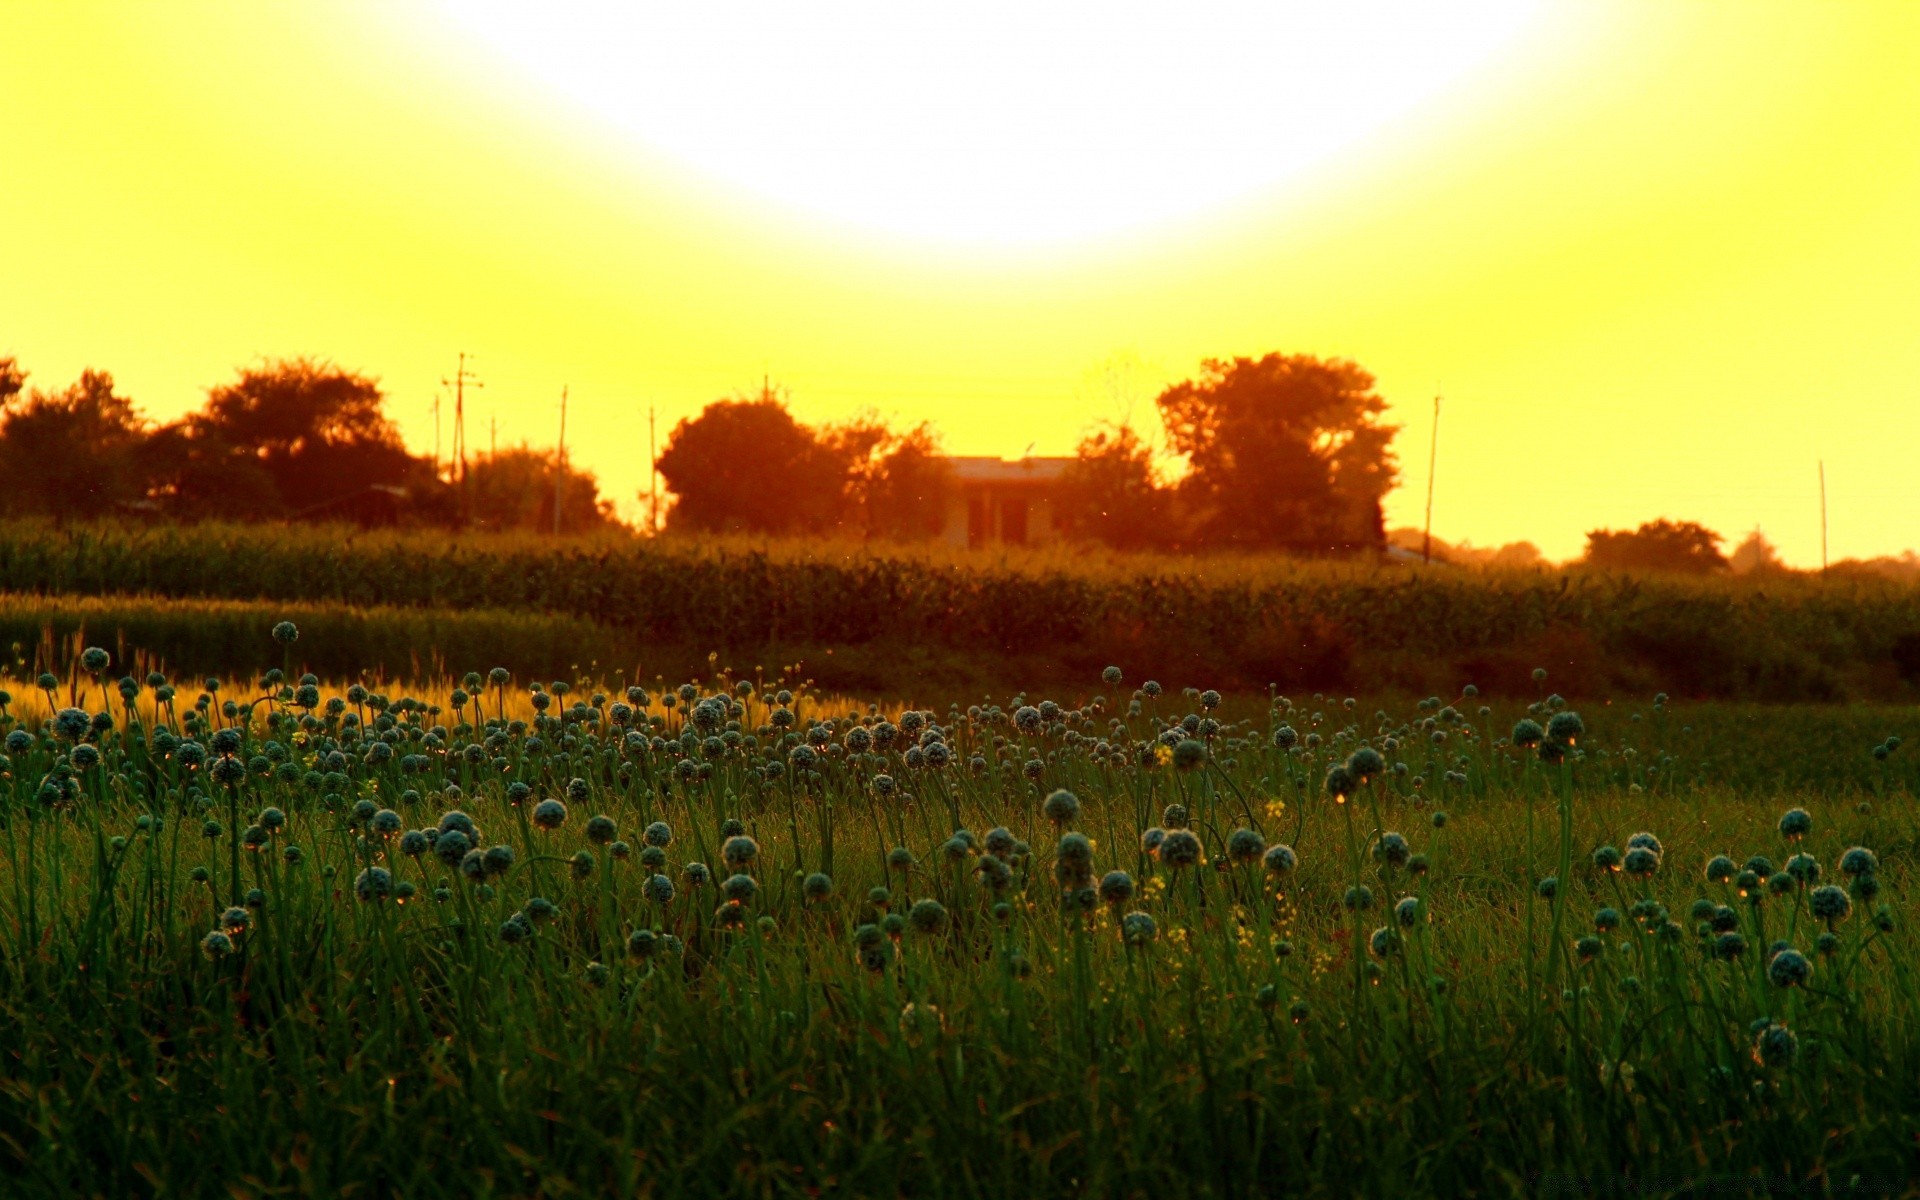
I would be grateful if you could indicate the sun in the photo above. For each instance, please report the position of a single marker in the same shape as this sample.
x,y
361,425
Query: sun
x,y
998,124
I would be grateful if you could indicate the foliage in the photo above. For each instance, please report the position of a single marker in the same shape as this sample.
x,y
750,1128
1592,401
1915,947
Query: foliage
x,y
514,489
1285,451
1685,547
1248,620
73,454
1110,492
243,947
746,466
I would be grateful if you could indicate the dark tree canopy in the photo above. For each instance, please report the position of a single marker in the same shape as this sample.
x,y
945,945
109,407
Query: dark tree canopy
x,y
1677,546
1284,451
79,452
514,489
1109,492
746,466
897,483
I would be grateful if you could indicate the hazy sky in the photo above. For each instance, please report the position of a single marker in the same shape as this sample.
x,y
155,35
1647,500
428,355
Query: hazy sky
x,y
1661,258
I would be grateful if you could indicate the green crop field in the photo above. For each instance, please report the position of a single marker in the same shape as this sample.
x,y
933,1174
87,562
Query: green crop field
x,y
886,619
486,936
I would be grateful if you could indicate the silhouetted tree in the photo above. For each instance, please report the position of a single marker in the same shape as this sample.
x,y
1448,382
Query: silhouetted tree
x,y
1663,545
1109,492
745,465
75,453
513,489
1284,451
1755,555
897,482
293,437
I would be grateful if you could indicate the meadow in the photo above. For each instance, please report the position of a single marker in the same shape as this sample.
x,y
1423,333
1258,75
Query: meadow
x,y
491,936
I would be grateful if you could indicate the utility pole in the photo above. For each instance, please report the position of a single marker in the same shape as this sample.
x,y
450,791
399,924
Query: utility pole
x,y
493,435
560,464
1823,516
461,381
436,433
1433,459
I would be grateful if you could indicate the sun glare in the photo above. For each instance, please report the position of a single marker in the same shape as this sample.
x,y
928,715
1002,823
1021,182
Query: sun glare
x,y
1010,124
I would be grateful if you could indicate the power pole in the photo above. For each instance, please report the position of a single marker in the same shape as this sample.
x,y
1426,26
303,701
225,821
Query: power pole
x,y
461,381
436,433
493,435
1433,459
560,464
1823,516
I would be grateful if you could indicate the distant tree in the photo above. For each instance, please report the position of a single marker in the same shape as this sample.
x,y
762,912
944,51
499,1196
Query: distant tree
x,y
513,489
1755,555
293,437
897,482
1109,492
1663,545
745,465
1285,451
12,380
78,452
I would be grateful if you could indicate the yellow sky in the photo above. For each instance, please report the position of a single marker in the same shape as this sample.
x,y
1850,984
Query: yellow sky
x,y
1662,258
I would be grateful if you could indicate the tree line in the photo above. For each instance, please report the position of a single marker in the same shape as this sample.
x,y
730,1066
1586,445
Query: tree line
x,y
288,439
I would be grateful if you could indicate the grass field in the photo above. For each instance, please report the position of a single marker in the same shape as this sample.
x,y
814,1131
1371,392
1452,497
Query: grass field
x,y
727,938
887,620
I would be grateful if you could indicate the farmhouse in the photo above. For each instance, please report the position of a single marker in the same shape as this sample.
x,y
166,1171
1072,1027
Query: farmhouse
x,y
1010,502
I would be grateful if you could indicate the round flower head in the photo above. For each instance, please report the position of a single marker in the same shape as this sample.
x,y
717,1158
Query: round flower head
x,y
739,852
1174,816
1858,861
1775,1046
516,929
1565,728
1061,807
1720,869
1189,754
1151,839
696,874
1138,929
1548,887
1385,942
451,847
927,916
658,889
1392,849
657,834
1340,784
1606,920
1406,910
1780,883
1000,842
1645,841
1795,824
385,823
236,921
739,888
1366,764
1607,858
1358,899
1245,846
1789,968
1116,888
1729,946
550,814
374,883
216,945
1527,733
474,865
1180,849
457,820
541,911
1110,676
1284,738
1804,868
899,859
1280,860
1830,904
994,872
1641,863
600,830
499,859
817,886
1588,948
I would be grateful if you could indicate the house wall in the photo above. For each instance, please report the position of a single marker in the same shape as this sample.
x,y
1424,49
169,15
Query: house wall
x,y
997,505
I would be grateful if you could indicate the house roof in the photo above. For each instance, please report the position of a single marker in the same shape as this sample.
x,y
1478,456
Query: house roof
x,y
1007,470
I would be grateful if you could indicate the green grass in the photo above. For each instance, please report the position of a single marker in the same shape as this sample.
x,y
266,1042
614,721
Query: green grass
x,y
881,619
415,1046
